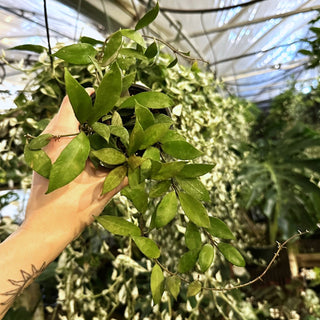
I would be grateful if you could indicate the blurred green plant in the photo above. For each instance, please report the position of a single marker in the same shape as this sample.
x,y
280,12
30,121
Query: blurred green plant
x,y
314,52
279,180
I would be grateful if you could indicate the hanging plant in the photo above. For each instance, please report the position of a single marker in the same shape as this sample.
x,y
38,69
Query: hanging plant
x,y
128,129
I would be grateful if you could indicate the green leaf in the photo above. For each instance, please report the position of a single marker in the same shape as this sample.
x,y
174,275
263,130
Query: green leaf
x,y
136,138
173,284
195,68
129,52
134,35
166,210
90,40
109,156
79,98
112,48
133,176
148,17
70,163
172,63
48,91
147,246
40,141
172,135
159,189
120,132
78,53
116,119
231,254
156,167
97,142
167,170
119,226
194,210
195,170
311,164
206,257
144,116
38,161
193,237
151,51
128,80
107,94
138,196
29,47
299,180
135,161
157,283
149,99
194,288
162,118
188,261
152,153
145,169
114,178
153,134
195,188
102,130
219,229
181,150
305,52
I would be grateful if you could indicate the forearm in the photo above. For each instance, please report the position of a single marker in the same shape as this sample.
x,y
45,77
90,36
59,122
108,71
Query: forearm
x,y
24,255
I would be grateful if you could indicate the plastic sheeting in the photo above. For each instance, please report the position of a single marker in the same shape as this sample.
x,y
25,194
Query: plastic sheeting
x,y
253,48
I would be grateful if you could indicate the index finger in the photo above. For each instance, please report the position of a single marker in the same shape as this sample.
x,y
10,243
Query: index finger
x,y
65,121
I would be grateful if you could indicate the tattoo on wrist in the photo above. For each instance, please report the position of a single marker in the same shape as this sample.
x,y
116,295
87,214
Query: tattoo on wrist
x,y
19,286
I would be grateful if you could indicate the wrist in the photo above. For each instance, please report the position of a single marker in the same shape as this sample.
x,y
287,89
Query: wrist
x,y
49,228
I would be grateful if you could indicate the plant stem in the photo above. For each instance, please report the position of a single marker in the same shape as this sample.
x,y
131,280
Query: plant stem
x,y
56,137
176,51
229,288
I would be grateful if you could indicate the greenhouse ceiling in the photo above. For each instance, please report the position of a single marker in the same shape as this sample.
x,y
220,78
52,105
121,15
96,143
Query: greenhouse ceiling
x,y
251,45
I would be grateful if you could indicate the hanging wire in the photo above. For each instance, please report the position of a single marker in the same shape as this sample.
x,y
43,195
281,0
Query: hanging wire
x,y
215,71
77,20
135,10
21,14
107,25
47,31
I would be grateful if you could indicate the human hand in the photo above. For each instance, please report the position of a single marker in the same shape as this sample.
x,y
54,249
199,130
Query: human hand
x,y
73,206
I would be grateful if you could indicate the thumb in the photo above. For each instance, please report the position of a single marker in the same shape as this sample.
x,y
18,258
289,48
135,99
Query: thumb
x,y
65,121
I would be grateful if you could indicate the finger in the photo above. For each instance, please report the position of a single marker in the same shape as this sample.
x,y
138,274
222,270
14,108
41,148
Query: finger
x,y
65,122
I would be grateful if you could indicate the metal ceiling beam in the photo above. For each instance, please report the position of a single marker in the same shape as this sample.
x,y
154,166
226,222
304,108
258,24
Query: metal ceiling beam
x,y
209,10
97,16
20,13
218,36
259,20
252,73
241,56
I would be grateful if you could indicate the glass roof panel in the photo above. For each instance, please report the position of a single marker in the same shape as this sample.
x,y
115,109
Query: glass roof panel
x,y
254,41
